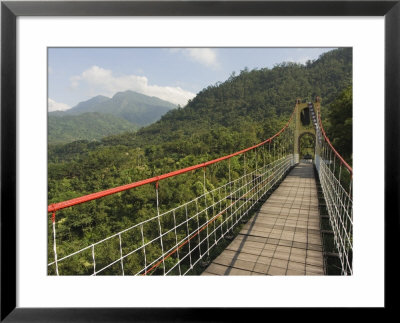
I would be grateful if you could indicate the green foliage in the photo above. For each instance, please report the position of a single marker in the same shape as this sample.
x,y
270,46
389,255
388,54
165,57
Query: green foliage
x,y
307,144
340,124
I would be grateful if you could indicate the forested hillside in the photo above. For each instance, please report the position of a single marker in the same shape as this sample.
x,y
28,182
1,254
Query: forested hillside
x,y
87,126
222,118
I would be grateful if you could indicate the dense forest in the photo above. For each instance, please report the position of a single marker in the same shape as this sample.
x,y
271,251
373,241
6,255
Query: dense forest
x,y
87,126
339,124
221,119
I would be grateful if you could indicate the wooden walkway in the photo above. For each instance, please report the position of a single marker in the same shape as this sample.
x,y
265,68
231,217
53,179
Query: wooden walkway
x,y
283,237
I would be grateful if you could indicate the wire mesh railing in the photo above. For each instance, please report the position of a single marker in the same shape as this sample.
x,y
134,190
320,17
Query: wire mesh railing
x,y
174,239
336,179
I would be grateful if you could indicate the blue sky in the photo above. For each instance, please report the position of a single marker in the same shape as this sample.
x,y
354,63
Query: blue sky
x,y
172,74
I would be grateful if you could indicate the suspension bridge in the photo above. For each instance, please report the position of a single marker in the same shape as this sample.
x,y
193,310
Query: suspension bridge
x,y
270,211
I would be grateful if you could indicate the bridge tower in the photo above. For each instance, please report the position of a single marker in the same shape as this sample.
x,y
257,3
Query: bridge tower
x,y
305,123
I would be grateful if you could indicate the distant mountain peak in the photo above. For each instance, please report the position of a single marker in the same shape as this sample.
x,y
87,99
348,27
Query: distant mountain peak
x,y
94,100
135,107
100,97
141,96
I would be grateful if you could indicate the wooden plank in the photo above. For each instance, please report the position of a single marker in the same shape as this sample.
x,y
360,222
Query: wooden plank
x,y
283,237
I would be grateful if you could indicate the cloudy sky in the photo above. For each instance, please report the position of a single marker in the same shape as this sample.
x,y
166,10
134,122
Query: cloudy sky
x,y
172,74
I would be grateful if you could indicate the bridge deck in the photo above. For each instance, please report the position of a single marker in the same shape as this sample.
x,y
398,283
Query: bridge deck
x,y
283,237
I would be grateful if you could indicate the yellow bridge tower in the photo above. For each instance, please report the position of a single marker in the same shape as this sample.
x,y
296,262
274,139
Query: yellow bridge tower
x,y
305,117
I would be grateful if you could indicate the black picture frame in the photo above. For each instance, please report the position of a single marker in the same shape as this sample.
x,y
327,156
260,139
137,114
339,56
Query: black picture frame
x,y
10,10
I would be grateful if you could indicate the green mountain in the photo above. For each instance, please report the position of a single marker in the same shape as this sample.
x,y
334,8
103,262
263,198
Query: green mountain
x,y
137,108
87,106
101,116
87,126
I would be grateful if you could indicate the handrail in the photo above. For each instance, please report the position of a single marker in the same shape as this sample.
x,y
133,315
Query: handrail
x,y
52,208
337,193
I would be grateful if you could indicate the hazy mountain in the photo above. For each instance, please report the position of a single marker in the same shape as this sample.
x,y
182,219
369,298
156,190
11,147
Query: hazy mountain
x,y
137,108
87,106
101,116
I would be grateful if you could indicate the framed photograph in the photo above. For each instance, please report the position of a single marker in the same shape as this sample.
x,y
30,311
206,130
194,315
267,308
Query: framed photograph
x,y
59,266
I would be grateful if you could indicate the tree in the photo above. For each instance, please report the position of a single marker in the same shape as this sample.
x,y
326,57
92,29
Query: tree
x,y
340,128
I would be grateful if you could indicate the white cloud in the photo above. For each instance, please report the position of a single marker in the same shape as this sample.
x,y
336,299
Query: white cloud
x,y
56,106
204,56
102,81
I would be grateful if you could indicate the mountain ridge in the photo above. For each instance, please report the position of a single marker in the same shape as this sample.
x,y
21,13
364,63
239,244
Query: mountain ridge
x,y
129,110
129,105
